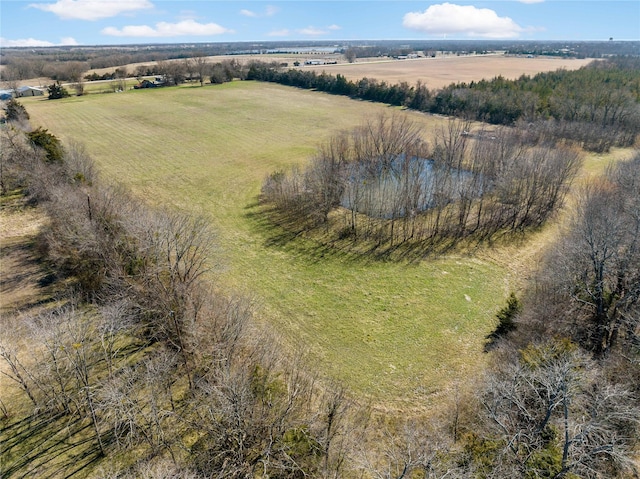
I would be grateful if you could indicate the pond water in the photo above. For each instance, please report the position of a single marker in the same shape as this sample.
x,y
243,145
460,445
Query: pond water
x,y
402,187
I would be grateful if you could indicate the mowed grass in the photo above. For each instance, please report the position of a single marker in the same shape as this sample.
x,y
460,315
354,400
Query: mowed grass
x,y
394,333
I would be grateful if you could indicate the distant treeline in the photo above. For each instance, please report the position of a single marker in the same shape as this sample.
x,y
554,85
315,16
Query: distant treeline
x,y
547,48
119,55
597,106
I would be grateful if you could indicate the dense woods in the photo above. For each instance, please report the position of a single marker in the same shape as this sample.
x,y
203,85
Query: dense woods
x,y
145,366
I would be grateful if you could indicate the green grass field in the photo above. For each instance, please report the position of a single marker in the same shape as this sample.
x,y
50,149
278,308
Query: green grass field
x,y
395,333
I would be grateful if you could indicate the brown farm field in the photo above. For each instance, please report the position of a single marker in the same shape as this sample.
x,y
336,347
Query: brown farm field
x,y
434,72
442,71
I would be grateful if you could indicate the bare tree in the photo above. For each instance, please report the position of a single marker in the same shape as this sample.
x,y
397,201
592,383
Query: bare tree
x,y
594,269
16,159
554,416
415,449
173,71
350,55
120,76
200,66
11,344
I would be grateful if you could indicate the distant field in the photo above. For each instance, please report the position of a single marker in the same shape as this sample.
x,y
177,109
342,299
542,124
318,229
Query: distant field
x,y
442,71
397,333
434,72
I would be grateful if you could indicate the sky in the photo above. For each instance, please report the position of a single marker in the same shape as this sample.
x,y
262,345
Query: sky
x,y
117,22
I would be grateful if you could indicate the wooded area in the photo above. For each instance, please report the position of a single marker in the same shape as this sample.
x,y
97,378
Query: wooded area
x,y
386,183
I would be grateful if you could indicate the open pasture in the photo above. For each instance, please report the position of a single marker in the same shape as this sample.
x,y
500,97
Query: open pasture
x,y
396,333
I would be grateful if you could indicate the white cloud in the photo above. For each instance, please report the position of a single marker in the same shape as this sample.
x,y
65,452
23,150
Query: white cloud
x,y
334,27
448,18
92,9
25,42
269,11
32,42
68,41
280,33
164,29
312,31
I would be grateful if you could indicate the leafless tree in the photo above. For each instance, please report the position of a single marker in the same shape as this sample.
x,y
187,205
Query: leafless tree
x,y
324,177
416,449
16,369
350,55
16,159
200,66
120,79
549,403
595,267
79,164
137,403
173,71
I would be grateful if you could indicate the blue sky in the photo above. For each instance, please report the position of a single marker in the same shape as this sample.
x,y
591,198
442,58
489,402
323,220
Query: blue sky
x,y
103,22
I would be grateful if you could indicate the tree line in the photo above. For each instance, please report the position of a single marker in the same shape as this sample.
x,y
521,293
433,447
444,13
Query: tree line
x,y
38,59
143,354
570,105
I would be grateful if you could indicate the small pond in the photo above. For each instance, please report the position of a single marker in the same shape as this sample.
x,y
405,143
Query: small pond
x,y
405,186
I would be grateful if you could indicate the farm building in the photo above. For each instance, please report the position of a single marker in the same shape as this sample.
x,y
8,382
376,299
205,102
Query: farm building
x,y
29,91
145,84
6,94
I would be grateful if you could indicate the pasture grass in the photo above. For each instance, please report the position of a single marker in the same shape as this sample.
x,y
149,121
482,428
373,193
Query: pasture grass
x,y
393,332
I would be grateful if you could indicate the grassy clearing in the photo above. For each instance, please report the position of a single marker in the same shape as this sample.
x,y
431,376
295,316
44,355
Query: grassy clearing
x,y
392,332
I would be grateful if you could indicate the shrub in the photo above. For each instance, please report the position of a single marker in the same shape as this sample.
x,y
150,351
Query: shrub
x,y
56,91
15,111
49,143
506,320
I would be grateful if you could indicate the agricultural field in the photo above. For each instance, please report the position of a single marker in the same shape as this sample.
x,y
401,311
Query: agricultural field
x,y
396,333
434,72
441,71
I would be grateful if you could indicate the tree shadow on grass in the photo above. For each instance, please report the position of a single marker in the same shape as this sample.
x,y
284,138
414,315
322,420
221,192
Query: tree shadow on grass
x,y
24,271
290,233
48,447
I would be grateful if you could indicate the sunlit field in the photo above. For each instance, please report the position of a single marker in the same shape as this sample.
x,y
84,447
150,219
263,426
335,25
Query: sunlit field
x,y
396,333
